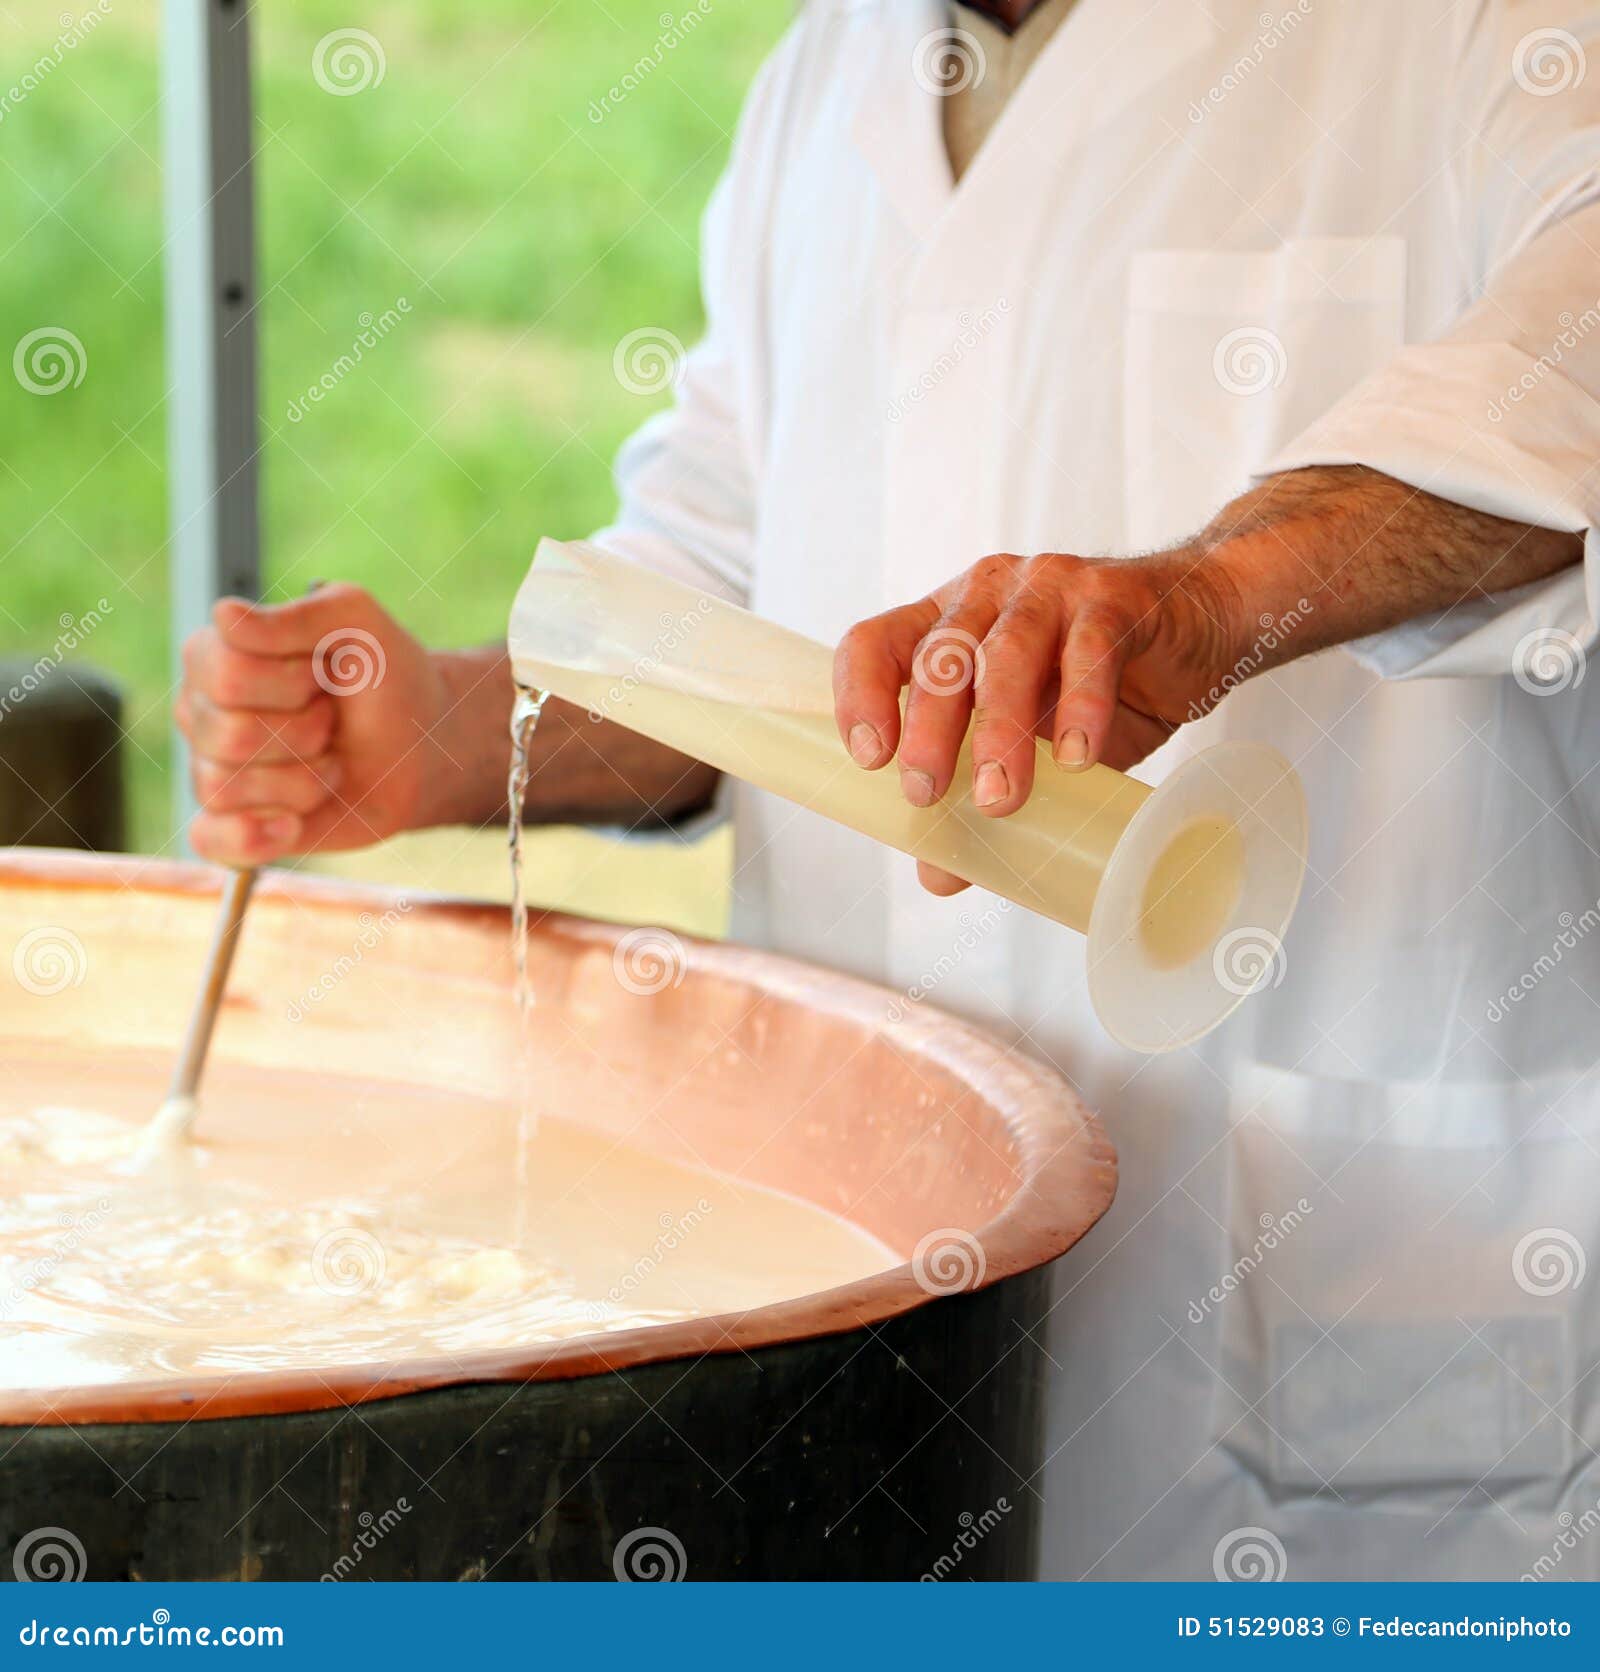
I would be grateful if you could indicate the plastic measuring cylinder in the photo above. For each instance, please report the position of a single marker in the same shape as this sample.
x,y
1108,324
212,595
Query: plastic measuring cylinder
x,y
1162,880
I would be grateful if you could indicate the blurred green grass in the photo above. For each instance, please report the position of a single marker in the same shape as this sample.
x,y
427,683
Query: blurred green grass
x,y
471,181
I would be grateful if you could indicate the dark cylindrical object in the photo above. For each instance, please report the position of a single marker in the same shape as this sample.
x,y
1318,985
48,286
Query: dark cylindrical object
x,y
60,756
904,1452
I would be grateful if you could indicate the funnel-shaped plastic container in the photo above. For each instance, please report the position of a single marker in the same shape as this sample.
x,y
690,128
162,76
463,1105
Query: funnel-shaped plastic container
x,y
1183,890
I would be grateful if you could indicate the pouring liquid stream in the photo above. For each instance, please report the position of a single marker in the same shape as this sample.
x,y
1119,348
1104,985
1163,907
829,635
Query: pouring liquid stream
x,y
525,713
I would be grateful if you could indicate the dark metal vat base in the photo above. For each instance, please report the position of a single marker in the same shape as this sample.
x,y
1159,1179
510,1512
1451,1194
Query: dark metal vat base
x,y
889,1453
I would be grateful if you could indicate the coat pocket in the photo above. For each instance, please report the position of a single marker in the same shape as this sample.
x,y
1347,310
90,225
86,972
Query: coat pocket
x,y
1230,355
1401,1313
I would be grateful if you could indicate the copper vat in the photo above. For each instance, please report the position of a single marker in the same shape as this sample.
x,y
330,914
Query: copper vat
x,y
853,1433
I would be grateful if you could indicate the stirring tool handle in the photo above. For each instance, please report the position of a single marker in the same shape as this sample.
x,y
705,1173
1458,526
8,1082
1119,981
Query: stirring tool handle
x,y
203,1019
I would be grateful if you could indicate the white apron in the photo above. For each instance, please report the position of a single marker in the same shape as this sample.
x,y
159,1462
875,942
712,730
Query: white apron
x,y
1336,1312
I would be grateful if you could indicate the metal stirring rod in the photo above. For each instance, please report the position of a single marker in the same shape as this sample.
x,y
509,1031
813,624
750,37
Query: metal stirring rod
x,y
176,1116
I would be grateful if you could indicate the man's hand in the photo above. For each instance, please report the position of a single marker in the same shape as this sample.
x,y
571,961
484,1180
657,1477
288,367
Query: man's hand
x,y
1105,658
310,723
323,724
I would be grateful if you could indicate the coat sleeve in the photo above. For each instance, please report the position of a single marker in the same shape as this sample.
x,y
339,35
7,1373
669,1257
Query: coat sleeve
x,y
686,478
1501,413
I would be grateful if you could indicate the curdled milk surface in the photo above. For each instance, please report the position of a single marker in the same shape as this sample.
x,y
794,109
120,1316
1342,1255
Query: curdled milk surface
x,y
315,1222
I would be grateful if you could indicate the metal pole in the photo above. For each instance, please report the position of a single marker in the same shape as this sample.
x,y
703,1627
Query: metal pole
x,y
210,318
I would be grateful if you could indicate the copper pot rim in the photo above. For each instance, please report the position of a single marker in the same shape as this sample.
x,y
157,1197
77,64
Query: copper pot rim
x,y
1068,1165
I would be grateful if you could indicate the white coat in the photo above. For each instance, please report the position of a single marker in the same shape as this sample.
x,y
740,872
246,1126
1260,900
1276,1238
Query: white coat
x,y
1336,1317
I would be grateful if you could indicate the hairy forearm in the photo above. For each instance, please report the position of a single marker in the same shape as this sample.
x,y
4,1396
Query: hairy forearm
x,y
583,771
1345,551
